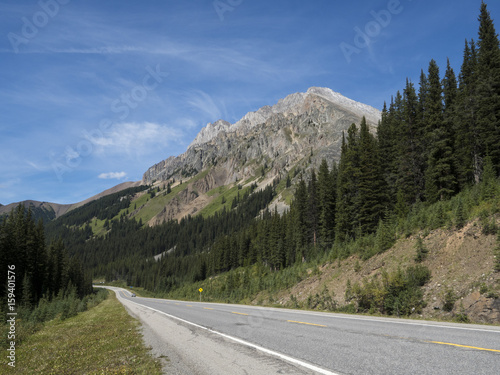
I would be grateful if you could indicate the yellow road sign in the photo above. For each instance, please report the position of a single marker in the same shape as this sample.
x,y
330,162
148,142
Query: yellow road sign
x,y
200,290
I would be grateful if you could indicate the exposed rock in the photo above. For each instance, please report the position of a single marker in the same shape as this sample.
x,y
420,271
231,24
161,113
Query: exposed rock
x,y
299,126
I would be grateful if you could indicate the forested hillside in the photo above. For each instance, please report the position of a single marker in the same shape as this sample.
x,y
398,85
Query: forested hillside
x,y
433,162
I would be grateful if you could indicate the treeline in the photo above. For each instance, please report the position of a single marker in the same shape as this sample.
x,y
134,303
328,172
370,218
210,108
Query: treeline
x,y
436,142
127,249
430,145
39,270
104,208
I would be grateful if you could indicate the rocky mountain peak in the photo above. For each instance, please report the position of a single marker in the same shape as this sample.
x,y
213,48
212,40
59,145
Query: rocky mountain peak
x,y
210,131
275,136
292,104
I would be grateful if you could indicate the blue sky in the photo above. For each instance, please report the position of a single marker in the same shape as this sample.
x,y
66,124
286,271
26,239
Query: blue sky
x,y
93,93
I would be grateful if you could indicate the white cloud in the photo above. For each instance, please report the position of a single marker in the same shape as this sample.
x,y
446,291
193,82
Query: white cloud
x,y
112,175
136,138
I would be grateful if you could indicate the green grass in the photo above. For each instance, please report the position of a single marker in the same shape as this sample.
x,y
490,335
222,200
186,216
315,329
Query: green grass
x,y
225,192
98,227
103,340
153,206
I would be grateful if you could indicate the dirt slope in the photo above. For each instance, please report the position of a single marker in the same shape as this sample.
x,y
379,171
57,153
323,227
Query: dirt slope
x,y
461,261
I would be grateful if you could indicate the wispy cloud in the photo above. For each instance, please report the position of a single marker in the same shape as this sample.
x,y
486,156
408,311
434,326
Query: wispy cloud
x,y
136,138
204,103
112,175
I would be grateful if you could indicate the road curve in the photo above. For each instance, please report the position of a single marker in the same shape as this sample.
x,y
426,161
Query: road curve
x,y
326,343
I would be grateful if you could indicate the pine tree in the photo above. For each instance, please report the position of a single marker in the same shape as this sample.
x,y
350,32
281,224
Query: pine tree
x,y
467,145
299,211
401,208
421,250
489,183
488,90
372,199
386,139
423,93
390,152
409,156
440,180
313,211
385,236
346,218
326,200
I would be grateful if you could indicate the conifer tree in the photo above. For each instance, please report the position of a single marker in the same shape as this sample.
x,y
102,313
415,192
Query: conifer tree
x,y
423,93
440,180
489,183
467,144
421,250
409,156
385,136
299,212
346,219
313,209
488,90
326,200
372,199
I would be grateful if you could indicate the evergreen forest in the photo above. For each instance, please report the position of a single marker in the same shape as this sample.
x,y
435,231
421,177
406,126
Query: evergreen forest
x,y
435,154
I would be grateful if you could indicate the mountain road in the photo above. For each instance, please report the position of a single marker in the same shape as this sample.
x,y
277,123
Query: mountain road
x,y
304,342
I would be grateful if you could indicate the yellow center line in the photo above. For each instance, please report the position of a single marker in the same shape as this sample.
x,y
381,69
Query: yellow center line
x,y
208,308
189,305
309,324
234,312
464,346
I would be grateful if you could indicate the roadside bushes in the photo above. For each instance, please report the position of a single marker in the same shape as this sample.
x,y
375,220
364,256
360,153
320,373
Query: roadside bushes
x,y
398,293
63,306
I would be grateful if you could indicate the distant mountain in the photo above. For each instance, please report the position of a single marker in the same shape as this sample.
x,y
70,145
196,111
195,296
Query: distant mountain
x,y
283,133
40,210
50,211
294,134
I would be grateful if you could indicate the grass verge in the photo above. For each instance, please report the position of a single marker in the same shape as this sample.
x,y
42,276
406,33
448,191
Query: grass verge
x,y
103,340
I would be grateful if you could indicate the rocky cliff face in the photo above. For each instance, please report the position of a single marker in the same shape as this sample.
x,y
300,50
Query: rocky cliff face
x,y
275,138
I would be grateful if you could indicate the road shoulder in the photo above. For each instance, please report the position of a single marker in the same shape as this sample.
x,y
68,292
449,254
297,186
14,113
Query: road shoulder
x,y
186,349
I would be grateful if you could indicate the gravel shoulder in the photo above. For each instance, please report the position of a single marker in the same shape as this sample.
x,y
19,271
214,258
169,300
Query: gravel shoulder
x,y
186,349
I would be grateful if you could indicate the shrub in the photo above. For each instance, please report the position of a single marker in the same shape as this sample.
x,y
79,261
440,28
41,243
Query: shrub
x,y
460,215
421,250
399,293
449,300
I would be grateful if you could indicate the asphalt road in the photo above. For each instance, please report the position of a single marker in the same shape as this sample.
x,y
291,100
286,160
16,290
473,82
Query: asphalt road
x,y
344,344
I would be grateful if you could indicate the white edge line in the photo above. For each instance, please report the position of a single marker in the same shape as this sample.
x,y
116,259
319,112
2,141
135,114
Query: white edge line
x,y
260,348
365,319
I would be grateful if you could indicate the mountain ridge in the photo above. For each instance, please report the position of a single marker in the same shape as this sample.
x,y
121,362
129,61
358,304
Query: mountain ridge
x,y
319,106
53,210
289,104
298,131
